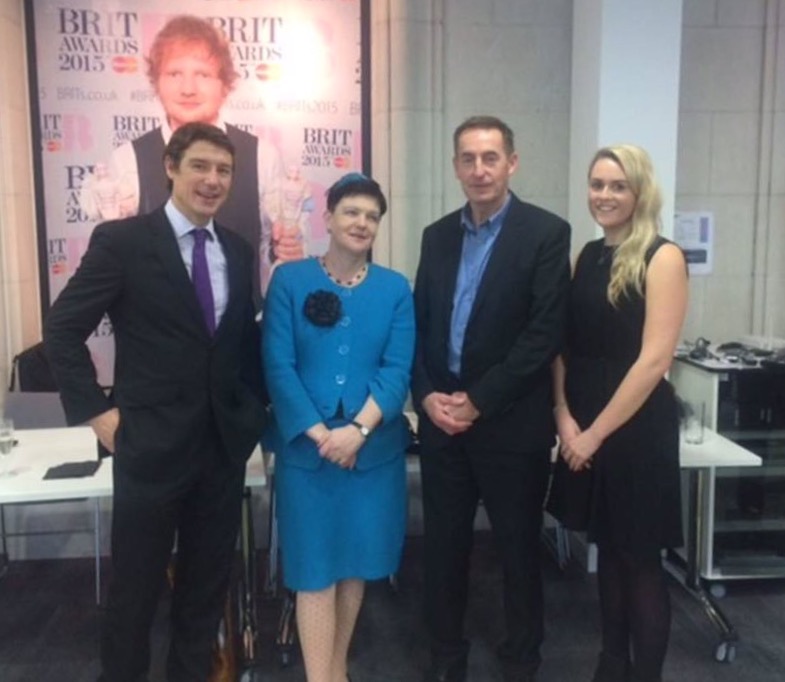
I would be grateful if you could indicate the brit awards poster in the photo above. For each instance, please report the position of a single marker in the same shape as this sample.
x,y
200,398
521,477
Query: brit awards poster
x,y
284,78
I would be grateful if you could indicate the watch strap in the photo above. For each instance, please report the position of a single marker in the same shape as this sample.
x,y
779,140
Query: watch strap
x,y
364,430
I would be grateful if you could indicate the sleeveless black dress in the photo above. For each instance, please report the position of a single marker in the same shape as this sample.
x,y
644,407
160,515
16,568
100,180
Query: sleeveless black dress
x,y
630,498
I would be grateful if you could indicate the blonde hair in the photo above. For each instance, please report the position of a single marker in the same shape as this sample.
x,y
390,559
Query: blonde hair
x,y
628,270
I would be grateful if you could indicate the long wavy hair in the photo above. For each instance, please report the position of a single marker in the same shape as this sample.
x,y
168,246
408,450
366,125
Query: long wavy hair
x,y
628,271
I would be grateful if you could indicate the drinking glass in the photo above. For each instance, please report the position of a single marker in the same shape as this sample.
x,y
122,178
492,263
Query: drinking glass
x,y
694,422
6,445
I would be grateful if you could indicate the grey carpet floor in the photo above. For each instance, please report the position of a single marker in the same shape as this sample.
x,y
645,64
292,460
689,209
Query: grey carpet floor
x,y
49,627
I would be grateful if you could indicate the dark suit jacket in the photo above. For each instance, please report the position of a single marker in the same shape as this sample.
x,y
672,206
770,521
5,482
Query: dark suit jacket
x,y
515,328
171,376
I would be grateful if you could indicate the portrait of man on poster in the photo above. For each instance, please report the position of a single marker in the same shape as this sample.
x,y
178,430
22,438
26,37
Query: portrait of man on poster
x,y
189,65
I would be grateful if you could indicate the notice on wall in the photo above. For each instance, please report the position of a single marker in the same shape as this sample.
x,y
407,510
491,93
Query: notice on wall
x,y
693,231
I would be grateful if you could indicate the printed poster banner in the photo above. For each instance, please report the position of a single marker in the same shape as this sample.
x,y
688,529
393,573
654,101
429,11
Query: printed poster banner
x,y
282,77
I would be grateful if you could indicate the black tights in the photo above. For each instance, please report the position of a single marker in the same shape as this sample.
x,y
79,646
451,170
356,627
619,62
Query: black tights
x,y
635,610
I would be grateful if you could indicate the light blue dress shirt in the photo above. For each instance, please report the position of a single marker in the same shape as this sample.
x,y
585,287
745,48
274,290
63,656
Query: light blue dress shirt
x,y
477,247
216,260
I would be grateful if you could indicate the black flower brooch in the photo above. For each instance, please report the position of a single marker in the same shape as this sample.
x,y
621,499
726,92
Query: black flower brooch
x,y
323,308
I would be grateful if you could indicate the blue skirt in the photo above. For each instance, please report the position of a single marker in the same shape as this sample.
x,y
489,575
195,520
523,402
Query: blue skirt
x,y
336,524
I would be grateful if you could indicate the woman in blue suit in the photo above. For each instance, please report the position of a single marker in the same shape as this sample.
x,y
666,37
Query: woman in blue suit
x,y
338,343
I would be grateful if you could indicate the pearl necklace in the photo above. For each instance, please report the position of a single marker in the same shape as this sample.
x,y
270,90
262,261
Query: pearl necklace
x,y
358,277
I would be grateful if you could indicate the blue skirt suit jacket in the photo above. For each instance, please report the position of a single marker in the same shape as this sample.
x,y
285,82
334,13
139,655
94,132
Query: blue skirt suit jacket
x,y
312,370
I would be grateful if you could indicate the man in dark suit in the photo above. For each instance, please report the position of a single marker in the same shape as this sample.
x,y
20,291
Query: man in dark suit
x,y
186,410
490,299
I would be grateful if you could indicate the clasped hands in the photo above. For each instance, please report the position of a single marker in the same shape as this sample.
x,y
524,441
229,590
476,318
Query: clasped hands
x,y
339,445
577,447
453,413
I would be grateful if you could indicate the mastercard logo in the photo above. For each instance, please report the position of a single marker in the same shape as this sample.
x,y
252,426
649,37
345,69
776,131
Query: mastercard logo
x,y
341,162
268,72
122,64
53,145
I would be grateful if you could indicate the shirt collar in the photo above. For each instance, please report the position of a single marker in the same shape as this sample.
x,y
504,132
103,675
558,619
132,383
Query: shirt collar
x,y
181,225
494,223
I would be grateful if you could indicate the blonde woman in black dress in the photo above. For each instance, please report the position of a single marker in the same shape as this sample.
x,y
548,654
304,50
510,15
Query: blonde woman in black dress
x,y
616,414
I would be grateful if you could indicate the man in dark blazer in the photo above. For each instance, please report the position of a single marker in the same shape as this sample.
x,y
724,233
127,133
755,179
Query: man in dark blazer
x,y
187,406
490,299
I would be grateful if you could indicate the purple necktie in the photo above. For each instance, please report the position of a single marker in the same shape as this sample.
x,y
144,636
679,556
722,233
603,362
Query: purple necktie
x,y
200,274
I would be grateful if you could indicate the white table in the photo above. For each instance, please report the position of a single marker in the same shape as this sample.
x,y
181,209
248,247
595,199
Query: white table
x,y
715,451
40,449
699,461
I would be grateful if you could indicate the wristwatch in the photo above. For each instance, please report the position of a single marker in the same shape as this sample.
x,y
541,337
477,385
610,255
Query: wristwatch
x,y
364,430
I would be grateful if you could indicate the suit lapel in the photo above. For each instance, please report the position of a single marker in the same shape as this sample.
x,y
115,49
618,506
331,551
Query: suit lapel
x,y
451,254
166,249
503,251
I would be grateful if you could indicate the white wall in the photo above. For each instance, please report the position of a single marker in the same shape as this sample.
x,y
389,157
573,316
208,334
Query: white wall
x,y
512,59
732,162
436,62
625,88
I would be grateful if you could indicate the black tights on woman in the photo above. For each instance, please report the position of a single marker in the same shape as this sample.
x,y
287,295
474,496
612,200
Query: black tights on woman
x,y
635,610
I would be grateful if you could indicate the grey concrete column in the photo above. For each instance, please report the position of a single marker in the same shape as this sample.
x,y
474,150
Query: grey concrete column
x,y
407,117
